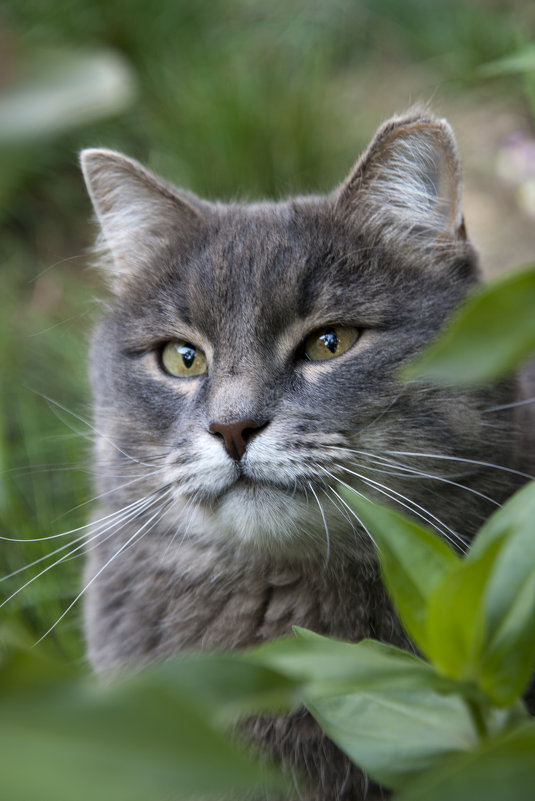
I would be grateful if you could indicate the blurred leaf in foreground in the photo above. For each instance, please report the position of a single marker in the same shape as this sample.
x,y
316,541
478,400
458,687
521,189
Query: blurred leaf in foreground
x,y
489,337
138,739
325,666
500,768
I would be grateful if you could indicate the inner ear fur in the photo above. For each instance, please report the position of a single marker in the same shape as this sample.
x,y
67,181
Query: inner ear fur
x,y
408,183
138,212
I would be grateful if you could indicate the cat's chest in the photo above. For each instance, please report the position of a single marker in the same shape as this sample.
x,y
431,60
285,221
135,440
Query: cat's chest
x,y
163,598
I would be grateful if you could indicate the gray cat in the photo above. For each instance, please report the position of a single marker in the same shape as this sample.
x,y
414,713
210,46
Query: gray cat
x,y
248,363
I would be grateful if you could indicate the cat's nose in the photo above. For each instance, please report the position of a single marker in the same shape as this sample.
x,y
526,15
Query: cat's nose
x,y
236,435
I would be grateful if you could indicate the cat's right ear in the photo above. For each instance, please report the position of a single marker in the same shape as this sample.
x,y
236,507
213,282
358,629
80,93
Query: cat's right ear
x,y
139,214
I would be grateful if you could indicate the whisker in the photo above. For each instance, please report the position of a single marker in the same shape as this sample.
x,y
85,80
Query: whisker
x,y
190,508
462,460
78,528
113,490
408,470
326,527
123,547
509,405
114,526
95,430
412,506
337,506
352,511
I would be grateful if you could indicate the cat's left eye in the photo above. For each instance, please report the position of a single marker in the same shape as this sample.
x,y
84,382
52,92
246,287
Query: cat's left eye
x,y
181,359
329,342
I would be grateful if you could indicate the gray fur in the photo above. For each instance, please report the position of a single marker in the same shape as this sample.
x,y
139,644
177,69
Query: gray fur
x,y
229,554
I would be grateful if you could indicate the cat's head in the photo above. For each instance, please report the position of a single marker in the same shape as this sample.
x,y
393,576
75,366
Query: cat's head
x,y
249,358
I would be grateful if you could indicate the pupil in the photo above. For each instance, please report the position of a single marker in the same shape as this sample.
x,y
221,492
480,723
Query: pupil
x,y
330,340
188,355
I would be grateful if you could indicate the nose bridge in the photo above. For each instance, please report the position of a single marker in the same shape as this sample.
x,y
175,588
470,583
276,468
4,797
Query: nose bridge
x,y
235,397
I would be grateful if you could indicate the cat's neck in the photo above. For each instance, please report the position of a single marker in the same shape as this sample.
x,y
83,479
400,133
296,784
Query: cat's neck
x,y
191,595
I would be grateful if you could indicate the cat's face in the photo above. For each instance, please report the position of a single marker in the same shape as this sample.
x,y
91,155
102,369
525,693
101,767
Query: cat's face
x,y
250,358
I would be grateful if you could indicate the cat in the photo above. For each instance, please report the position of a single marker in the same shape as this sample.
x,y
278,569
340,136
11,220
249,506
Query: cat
x,y
246,363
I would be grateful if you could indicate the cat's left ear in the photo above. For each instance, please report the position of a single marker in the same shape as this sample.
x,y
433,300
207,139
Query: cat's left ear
x,y
139,213
407,185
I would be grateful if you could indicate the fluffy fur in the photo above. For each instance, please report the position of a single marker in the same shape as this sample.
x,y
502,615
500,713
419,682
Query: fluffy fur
x,y
193,548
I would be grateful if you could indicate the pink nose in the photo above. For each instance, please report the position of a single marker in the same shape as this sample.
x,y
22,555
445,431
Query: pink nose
x,y
236,435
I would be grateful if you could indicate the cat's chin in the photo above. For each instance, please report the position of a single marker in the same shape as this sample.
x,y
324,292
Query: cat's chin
x,y
278,521
264,517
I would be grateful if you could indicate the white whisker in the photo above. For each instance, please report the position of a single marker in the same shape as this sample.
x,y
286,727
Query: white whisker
x,y
92,428
116,489
83,540
413,507
123,547
509,405
462,460
79,528
328,541
352,511
411,471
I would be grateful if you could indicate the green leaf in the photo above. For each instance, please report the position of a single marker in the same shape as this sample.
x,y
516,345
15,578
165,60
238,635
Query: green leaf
x,y
455,623
517,515
489,336
135,740
228,685
326,666
481,623
500,768
508,653
394,736
413,561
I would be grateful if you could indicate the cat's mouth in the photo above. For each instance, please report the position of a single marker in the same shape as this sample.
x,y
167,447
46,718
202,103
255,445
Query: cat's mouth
x,y
244,482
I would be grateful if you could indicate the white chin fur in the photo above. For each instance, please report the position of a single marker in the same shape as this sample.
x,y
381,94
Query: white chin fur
x,y
272,520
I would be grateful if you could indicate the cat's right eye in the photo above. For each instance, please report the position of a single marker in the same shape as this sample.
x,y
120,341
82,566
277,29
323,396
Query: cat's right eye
x,y
181,359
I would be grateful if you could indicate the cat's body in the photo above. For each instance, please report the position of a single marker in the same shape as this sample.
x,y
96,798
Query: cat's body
x,y
226,466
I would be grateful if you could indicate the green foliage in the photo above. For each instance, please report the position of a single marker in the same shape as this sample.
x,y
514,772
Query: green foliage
x,y
44,483
499,768
252,95
488,338
146,737
413,562
519,63
478,620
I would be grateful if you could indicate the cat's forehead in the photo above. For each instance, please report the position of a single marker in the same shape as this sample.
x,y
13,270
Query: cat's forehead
x,y
273,258
260,268
260,234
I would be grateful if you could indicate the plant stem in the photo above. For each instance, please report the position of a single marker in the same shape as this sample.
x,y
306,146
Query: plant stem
x,y
478,718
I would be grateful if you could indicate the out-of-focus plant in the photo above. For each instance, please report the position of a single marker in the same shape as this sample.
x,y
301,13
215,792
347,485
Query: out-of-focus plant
x,y
490,335
62,91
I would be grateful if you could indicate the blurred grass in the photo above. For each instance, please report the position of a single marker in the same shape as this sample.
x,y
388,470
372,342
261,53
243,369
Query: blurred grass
x,y
236,98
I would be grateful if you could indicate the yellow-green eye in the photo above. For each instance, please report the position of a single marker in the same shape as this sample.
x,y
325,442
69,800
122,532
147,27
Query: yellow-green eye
x,y
329,342
183,360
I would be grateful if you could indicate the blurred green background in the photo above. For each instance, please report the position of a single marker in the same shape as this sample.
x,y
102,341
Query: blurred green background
x,y
229,98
